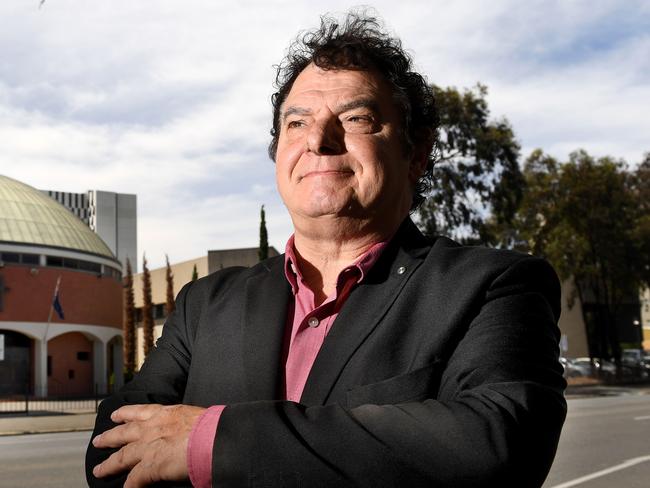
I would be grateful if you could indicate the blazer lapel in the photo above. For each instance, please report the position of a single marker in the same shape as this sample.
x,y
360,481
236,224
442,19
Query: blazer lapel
x,y
265,314
364,309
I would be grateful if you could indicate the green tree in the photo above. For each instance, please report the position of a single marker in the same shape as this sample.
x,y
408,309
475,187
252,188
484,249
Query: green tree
x,y
641,189
129,324
263,251
170,304
585,217
478,182
195,273
147,308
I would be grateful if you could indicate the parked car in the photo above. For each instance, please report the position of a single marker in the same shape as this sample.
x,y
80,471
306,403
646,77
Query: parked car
x,y
570,371
604,368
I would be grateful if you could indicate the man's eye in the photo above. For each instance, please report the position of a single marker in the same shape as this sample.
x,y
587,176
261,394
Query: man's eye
x,y
293,124
359,123
359,119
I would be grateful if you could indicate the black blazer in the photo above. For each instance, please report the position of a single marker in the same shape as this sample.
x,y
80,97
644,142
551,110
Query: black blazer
x,y
440,370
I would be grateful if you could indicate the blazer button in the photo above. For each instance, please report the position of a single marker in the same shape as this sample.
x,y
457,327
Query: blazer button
x,y
313,322
401,270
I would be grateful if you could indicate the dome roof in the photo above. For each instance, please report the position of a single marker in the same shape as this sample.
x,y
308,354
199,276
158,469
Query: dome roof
x,y
28,216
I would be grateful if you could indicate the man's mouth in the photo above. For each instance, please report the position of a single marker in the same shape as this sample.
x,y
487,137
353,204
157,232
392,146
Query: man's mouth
x,y
329,172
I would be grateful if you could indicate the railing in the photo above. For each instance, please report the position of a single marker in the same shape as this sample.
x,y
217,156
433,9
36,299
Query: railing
x,y
58,400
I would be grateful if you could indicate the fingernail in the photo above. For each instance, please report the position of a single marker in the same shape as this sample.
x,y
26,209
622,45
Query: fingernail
x,y
96,470
96,439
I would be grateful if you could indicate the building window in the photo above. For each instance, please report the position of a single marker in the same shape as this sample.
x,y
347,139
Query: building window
x,y
11,257
54,261
70,263
83,356
30,259
88,266
159,311
49,366
71,374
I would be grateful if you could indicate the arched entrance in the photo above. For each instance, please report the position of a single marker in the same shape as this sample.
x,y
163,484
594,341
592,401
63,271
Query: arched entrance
x,y
69,365
15,363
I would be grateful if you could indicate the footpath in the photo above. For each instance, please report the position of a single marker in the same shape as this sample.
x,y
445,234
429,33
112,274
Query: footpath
x,y
47,422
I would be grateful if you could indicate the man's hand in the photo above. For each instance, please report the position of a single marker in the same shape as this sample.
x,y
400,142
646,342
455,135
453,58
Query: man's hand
x,y
152,440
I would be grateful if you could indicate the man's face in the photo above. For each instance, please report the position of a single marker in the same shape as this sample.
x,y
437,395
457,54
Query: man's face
x,y
340,150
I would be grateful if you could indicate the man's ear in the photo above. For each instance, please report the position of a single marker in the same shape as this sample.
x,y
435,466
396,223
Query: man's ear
x,y
419,161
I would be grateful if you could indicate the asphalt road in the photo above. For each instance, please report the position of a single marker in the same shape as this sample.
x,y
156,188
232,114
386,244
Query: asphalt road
x,y
605,442
43,460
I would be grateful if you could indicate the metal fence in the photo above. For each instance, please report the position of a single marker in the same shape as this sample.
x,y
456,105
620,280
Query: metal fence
x,y
58,400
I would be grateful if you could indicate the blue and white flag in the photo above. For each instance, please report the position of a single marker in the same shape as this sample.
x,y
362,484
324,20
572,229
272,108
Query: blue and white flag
x,y
56,304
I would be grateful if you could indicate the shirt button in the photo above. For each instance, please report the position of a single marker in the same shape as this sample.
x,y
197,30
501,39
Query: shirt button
x,y
313,322
401,270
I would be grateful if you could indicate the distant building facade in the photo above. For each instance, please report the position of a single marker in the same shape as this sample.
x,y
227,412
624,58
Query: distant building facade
x,y
182,273
112,216
632,316
42,244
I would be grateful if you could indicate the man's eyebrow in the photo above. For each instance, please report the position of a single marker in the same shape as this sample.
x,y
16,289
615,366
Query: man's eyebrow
x,y
369,103
294,111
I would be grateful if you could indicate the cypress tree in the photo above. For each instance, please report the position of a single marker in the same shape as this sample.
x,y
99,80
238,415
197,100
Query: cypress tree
x,y
263,251
129,323
147,308
170,305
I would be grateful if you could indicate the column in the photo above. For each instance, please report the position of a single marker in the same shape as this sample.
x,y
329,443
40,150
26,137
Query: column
x,y
99,366
118,365
40,367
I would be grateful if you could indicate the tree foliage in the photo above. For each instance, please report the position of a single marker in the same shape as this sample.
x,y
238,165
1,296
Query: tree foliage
x,y
129,323
263,251
170,304
147,308
195,273
587,218
478,182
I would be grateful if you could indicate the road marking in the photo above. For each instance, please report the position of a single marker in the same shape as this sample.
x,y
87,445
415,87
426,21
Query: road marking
x,y
644,417
625,464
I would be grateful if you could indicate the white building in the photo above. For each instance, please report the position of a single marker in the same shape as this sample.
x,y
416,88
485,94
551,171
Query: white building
x,y
112,216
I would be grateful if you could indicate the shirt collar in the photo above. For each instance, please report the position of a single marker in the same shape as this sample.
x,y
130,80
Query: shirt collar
x,y
360,267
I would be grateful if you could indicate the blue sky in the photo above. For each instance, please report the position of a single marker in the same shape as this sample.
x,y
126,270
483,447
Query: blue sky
x,y
170,99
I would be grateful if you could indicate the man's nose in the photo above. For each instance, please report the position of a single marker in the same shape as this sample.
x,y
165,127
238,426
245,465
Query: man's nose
x,y
326,137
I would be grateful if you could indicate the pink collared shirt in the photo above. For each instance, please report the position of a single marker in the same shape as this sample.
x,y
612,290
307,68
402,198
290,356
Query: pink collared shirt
x,y
306,329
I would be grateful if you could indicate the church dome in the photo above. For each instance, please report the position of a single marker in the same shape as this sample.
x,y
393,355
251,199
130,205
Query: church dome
x,y
28,216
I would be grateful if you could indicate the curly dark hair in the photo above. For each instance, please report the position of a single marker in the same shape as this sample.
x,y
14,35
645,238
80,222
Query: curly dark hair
x,y
361,43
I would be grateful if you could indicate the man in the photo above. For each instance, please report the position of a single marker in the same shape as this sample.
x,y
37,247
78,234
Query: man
x,y
367,355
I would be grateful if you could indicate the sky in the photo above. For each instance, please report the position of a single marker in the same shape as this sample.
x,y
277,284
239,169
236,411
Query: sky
x,y
170,100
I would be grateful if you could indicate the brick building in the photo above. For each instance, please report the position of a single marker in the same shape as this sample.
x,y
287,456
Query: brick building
x,y
42,243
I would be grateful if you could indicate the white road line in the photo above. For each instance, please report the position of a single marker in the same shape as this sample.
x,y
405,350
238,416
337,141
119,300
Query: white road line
x,y
644,417
625,464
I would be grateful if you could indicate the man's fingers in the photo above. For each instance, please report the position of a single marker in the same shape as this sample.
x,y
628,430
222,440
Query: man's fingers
x,y
129,413
139,476
118,436
124,459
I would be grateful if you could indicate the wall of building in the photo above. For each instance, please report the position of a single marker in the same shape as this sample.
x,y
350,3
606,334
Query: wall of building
x,y
572,326
70,365
225,258
85,297
182,273
113,216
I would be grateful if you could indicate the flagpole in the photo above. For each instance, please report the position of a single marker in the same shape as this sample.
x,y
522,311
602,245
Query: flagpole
x,y
49,317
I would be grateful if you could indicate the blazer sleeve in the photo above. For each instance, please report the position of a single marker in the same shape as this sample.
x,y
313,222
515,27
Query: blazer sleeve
x,y
161,379
494,419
